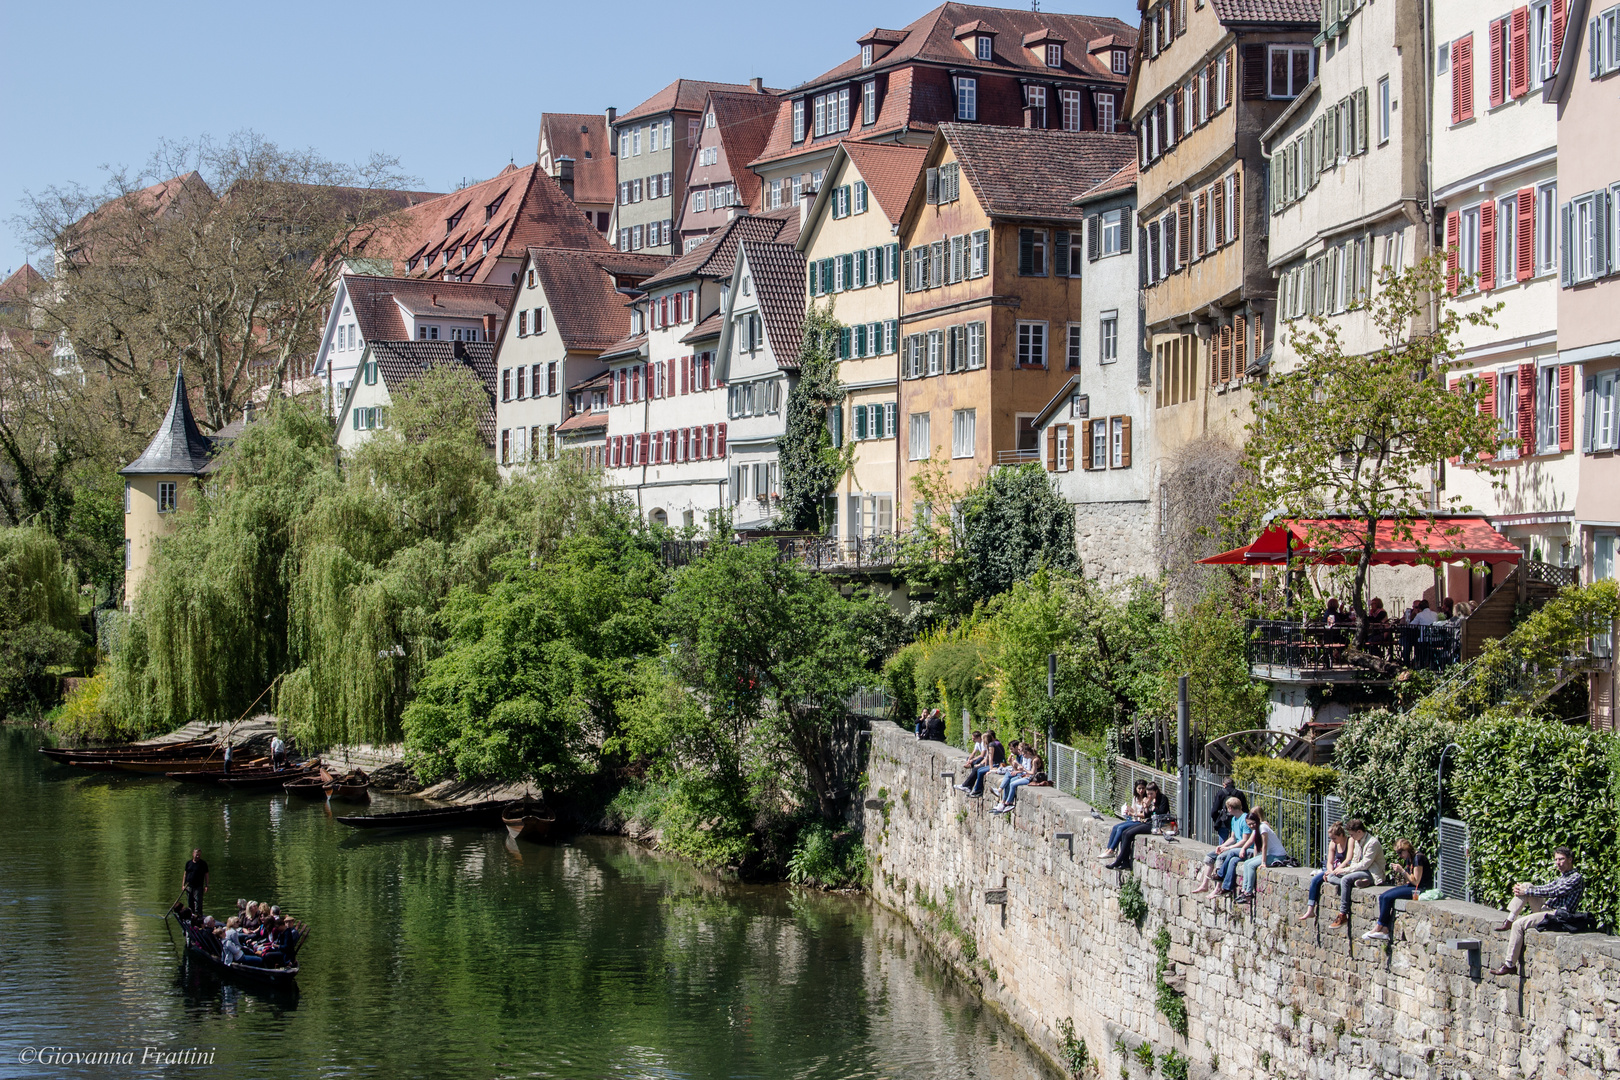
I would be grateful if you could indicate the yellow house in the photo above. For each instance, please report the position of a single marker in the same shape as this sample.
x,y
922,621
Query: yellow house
x,y
161,482
853,257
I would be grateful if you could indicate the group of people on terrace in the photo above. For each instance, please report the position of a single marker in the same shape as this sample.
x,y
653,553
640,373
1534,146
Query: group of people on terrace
x,y
1005,768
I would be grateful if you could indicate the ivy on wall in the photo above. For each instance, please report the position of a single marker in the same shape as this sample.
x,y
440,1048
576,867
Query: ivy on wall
x,y
811,465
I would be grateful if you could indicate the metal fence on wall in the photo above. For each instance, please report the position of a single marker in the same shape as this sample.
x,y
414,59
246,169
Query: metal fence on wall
x,y
1077,773
1298,823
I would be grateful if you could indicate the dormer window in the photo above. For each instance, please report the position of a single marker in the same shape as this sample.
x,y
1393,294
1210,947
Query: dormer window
x,y
492,208
453,220
986,44
1122,62
866,56
1054,56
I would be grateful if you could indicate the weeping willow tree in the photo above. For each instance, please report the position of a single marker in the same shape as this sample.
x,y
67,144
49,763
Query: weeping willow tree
x,y
38,617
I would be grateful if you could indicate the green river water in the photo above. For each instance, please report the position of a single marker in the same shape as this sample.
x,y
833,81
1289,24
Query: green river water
x,y
460,954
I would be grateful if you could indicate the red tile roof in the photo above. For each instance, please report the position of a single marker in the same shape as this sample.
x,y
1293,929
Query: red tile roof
x,y
1124,180
582,421
744,122
1285,11
630,346
708,328
20,285
890,171
1028,173
779,283
520,208
916,99
684,95
716,257
581,289
402,361
377,300
583,137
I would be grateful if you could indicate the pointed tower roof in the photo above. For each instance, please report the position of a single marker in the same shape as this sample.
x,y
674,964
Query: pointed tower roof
x,y
179,448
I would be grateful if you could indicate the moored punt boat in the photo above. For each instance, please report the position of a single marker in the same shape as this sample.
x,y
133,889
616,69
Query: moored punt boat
x,y
171,766
350,787
306,787
250,774
189,749
449,817
527,819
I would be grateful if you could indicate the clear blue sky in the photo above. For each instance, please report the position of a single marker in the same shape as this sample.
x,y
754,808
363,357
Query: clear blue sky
x,y
455,91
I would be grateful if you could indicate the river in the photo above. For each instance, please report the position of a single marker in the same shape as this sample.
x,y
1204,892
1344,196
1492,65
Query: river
x,y
459,954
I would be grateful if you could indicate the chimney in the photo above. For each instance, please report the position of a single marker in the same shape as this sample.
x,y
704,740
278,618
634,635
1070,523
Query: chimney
x,y
758,84
611,114
565,175
491,324
804,208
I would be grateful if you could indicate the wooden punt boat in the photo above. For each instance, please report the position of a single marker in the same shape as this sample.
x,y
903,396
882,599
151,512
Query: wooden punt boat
x,y
449,817
527,819
197,947
188,749
306,787
247,776
171,766
350,787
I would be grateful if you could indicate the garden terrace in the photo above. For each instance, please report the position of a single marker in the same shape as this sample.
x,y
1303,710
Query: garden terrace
x,y
1285,650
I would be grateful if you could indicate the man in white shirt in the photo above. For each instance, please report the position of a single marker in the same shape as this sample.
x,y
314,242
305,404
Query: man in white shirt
x,y
1425,615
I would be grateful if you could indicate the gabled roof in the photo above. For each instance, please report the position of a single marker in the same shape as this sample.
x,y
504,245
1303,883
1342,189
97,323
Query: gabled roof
x,y
685,95
779,284
20,285
708,328
890,171
585,138
744,122
716,257
581,287
1024,173
1273,11
1124,180
377,301
940,39
518,209
401,361
178,447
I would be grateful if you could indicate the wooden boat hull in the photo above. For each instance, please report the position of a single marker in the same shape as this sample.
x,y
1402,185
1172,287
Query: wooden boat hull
x,y
353,793
166,766
190,749
305,787
527,819
247,972
453,817
243,779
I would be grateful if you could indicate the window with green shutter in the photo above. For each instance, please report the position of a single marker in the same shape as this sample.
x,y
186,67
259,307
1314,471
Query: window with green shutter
x,y
860,422
815,279
843,343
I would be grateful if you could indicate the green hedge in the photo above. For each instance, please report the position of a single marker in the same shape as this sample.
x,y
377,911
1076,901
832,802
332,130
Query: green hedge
x,y
1387,764
1526,787
1292,778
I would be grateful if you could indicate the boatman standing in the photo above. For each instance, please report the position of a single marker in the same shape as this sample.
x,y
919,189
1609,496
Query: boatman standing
x,y
278,752
194,881
227,768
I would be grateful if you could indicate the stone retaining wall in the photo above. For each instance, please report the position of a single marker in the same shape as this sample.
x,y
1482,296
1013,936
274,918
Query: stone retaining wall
x,y
1265,994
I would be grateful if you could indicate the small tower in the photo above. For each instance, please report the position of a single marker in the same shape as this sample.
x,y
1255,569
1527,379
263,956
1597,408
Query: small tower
x,y
158,483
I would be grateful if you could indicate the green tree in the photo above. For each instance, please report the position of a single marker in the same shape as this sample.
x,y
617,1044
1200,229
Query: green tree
x,y
1207,643
38,618
1363,435
811,465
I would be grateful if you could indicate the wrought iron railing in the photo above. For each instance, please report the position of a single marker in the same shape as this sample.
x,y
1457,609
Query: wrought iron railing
x,y
1299,649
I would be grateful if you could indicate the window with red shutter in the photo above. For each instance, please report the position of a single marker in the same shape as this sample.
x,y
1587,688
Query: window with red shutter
x,y
1519,84
1566,407
1557,30
1462,79
720,440
1498,55
1524,263
1487,245
1453,225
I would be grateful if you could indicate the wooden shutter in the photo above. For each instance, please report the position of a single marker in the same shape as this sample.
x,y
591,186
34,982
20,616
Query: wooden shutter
x,y
1519,71
1462,79
1125,439
1094,237
1487,387
1566,407
1254,71
1527,409
1026,251
1183,232
905,277
1085,445
1557,30
1498,45
719,440
1060,253
1453,223
1068,456
1524,268
1126,228
1052,447
1237,204
1240,343
1219,236
1487,245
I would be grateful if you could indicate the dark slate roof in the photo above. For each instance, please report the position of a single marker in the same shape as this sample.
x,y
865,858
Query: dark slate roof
x,y
401,361
779,282
179,448
1276,11
1034,174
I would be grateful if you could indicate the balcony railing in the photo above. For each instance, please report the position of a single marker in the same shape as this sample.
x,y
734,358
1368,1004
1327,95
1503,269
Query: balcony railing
x,y
1017,457
875,552
1296,650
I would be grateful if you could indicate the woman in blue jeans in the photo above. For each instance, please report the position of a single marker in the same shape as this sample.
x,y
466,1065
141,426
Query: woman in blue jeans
x,y
1268,850
1338,853
1412,876
1138,799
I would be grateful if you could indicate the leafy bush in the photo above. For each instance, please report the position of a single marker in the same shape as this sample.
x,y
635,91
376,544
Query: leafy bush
x,y
900,679
80,717
1282,776
1173,1065
38,619
1387,765
1524,789
1132,904
828,859
958,671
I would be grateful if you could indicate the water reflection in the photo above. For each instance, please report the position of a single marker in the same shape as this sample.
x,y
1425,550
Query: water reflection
x,y
456,954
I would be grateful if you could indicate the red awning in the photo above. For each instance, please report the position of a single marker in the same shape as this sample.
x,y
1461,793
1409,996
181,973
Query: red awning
x,y
1336,541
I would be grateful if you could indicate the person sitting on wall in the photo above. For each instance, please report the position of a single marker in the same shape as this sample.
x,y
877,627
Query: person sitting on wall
x,y
1411,875
1562,894
995,756
1268,850
1158,808
1031,770
1221,814
975,755
1366,867
1337,854
1237,828
934,727
1132,812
